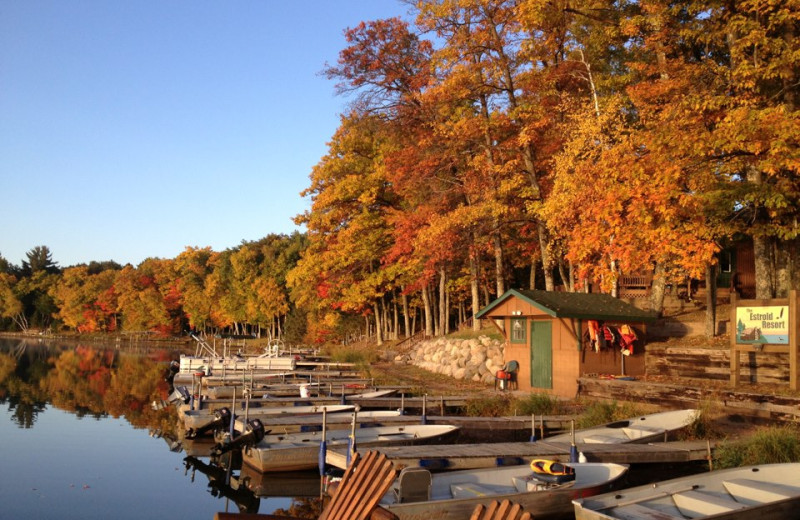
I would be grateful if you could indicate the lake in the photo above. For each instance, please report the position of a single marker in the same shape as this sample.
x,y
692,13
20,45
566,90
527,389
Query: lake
x,y
81,439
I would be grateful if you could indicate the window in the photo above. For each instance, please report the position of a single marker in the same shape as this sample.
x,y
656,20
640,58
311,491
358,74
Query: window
x,y
725,262
517,330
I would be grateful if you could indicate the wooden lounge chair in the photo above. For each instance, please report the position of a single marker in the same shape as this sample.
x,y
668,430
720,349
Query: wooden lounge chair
x,y
356,497
504,510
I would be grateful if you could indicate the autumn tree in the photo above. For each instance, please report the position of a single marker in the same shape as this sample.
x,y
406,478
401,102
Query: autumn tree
x,y
347,226
140,300
193,267
10,305
85,302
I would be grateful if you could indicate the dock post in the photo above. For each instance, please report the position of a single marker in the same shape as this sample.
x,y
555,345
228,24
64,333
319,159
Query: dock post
x,y
573,450
533,427
233,413
424,402
351,444
323,451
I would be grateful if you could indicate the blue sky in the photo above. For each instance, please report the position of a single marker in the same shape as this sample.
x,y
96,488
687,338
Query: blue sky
x,y
135,129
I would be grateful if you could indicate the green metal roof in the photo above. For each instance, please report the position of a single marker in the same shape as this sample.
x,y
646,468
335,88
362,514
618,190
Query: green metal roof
x,y
586,306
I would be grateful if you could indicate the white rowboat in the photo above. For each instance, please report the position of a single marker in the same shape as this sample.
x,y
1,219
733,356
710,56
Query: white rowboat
x,y
643,429
453,495
298,451
765,492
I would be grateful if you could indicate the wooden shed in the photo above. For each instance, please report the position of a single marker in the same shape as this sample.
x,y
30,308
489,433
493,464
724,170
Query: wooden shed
x,y
557,337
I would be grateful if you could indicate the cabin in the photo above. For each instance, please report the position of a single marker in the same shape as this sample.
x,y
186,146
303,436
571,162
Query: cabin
x,y
557,337
735,275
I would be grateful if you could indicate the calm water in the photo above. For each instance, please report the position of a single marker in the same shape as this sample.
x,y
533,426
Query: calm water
x,y
79,439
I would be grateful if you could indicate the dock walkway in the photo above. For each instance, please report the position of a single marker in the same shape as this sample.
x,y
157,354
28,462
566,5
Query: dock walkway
x,y
489,455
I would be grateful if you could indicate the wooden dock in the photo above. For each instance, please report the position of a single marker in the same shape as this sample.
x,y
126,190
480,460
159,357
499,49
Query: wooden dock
x,y
507,428
489,455
432,405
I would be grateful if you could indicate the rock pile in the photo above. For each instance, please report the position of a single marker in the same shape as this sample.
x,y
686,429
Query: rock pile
x,y
476,359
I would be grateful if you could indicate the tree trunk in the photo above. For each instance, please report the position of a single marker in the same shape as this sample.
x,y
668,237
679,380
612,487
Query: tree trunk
x,y
711,300
378,332
395,332
473,284
532,276
406,328
765,283
565,278
498,263
657,289
547,261
442,329
426,301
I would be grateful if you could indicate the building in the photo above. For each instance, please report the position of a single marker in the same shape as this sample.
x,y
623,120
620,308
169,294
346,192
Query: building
x,y
557,337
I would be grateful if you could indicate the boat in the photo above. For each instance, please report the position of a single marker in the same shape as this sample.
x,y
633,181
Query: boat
x,y
201,419
764,492
364,419
418,494
642,429
299,451
207,361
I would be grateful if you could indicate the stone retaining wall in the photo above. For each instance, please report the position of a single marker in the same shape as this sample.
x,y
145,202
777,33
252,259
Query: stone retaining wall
x,y
475,359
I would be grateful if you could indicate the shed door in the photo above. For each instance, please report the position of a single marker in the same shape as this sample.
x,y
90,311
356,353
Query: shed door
x,y
541,354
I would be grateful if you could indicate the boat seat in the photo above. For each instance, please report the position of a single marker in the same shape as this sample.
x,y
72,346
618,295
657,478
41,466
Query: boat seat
x,y
603,439
753,492
473,490
637,431
642,512
696,504
413,485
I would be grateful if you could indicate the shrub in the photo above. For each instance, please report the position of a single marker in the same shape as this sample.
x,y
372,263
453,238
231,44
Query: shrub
x,y
489,406
539,404
769,445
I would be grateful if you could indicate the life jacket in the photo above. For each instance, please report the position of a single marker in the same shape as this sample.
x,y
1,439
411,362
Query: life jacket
x,y
594,334
627,339
552,471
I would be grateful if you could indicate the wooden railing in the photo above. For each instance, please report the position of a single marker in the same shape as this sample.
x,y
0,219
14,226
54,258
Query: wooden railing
x,y
635,285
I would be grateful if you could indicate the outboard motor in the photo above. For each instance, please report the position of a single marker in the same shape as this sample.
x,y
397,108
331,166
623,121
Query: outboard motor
x,y
174,368
253,433
221,421
179,395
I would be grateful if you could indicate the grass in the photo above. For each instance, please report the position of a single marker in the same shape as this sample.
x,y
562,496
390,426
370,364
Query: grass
x,y
507,404
703,426
490,332
602,412
769,445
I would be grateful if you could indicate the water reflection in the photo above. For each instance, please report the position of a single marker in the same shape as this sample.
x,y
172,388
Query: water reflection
x,y
109,383
223,483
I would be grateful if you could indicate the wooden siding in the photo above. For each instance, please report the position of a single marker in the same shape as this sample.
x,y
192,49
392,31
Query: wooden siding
x,y
714,364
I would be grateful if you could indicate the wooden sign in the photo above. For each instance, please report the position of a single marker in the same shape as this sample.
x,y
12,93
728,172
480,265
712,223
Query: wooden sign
x,y
766,326
769,325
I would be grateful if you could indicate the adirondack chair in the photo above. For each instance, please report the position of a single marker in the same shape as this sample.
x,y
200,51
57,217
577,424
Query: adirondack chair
x,y
356,497
504,510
